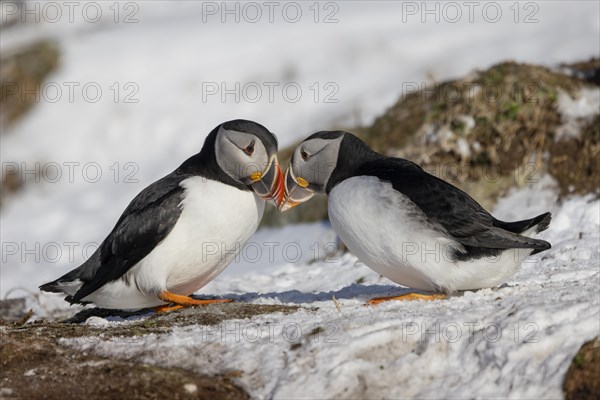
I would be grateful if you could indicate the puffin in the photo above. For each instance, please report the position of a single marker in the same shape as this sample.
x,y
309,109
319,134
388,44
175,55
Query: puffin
x,y
181,231
406,224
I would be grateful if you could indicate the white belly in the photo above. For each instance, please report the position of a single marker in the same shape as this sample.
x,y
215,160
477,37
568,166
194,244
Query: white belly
x,y
214,225
388,233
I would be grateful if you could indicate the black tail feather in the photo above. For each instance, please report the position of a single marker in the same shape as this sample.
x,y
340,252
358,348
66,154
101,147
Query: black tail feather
x,y
84,273
72,301
541,245
542,221
51,287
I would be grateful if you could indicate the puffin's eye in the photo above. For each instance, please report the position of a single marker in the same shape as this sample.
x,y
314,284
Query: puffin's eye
x,y
304,155
249,149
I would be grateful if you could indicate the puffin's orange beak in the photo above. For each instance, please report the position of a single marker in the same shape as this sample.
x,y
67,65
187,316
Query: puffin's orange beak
x,y
269,184
296,191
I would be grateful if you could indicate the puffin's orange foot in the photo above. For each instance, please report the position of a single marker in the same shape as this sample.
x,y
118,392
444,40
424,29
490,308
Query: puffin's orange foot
x,y
185,301
166,308
407,297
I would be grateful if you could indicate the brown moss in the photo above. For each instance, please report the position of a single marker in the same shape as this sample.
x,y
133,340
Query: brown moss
x,y
513,109
36,367
582,380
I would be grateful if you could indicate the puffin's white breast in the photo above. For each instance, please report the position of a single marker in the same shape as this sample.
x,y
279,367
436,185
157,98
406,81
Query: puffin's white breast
x,y
215,223
391,235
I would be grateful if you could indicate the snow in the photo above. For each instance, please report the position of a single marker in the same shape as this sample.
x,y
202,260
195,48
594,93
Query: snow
x,y
577,111
463,149
516,341
191,388
97,322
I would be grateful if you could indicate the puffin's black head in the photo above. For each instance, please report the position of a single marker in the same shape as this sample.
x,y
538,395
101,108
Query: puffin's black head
x,y
246,152
320,162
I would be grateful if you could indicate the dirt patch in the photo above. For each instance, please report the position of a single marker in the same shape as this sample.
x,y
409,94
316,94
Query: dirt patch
x,y
582,381
35,365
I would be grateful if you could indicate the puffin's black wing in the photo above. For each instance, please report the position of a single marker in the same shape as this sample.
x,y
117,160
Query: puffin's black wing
x,y
447,206
146,221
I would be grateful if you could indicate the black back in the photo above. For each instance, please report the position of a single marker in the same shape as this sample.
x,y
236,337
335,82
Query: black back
x,y
146,221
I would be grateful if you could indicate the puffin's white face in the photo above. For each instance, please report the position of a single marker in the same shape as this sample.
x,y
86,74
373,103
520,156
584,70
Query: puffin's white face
x,y
311,167
244,157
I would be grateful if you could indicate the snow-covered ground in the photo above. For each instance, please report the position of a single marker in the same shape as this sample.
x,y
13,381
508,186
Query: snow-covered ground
x,y
100,154
516,341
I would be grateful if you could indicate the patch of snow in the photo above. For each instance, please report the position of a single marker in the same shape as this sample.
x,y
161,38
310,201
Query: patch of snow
x,y
448,139
95,364
190,388
97,322
586,103
468,121
463,149
577,111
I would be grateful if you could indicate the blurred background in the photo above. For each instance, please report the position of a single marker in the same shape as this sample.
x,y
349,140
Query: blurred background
x,y
99,99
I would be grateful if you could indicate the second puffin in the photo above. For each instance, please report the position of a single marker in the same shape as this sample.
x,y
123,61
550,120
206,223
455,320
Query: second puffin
x,y
407,225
